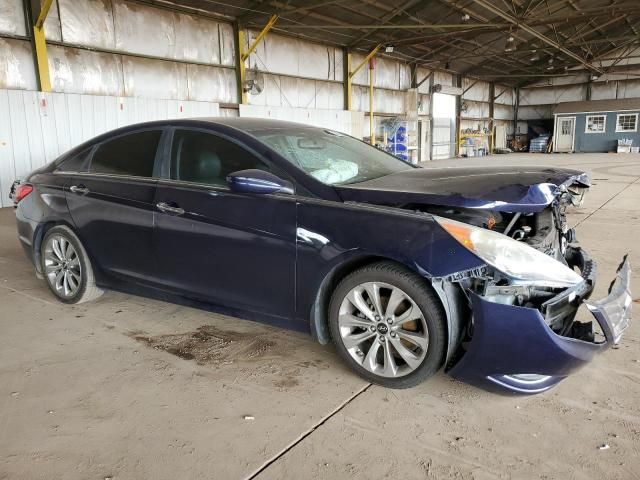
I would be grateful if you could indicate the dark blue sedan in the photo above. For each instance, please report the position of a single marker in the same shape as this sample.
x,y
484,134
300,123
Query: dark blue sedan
x,y
407,270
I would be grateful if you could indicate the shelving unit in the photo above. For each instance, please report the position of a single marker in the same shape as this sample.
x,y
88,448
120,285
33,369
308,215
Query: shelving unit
x,y
397,139
475,144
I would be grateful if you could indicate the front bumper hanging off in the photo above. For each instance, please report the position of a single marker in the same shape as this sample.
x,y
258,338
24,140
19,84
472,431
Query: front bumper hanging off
x,y
513,349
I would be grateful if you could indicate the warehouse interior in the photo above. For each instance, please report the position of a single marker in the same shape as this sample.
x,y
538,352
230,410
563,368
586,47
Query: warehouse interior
x,y
437,83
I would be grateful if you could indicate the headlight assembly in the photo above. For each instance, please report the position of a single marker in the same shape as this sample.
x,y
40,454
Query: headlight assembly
x,y
515,259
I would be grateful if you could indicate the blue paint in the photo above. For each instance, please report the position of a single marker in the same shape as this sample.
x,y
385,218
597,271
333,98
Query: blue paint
x,y
503,346
266,256
601,142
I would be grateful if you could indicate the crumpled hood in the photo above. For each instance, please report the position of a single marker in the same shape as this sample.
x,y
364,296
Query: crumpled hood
x,y
506,189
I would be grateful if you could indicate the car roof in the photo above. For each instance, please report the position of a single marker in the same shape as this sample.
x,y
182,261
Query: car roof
x,y
244,123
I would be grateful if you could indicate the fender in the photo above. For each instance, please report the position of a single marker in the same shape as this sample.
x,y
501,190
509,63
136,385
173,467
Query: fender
x,y
326,253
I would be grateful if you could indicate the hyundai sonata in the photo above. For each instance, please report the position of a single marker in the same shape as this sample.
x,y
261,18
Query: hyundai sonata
x,y
407,270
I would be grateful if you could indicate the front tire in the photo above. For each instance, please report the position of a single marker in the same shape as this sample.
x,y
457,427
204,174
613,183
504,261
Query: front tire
x,y
67,268
388,325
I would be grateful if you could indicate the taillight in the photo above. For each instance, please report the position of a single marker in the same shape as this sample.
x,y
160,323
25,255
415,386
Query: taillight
x,y
22,191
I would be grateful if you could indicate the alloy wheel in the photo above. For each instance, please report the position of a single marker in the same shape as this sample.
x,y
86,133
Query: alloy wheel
x,y
62,266
383,329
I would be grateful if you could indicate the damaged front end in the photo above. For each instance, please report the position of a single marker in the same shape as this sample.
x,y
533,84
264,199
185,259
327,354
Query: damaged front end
x,y
513,322
543,228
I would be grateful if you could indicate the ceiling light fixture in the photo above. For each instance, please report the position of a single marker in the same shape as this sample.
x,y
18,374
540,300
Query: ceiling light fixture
x,y
510,46
389,48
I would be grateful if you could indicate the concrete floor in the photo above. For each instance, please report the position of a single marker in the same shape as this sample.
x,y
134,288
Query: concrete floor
x,y
91,392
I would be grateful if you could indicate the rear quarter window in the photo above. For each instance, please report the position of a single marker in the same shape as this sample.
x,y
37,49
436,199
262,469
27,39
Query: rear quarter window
x,y
76,163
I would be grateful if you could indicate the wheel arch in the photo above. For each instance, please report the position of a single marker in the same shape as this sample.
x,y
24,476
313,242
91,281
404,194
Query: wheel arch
x,y
38,237
320,309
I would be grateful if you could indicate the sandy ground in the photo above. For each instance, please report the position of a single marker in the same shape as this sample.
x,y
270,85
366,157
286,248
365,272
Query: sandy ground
x,y
131,388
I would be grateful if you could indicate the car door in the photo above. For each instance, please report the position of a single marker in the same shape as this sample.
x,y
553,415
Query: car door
x,y
111,204
236,250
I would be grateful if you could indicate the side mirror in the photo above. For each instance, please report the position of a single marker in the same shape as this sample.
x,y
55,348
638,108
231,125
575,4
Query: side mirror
x,y
257,181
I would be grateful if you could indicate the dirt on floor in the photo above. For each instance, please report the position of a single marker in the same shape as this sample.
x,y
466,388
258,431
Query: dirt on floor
x,y
132,388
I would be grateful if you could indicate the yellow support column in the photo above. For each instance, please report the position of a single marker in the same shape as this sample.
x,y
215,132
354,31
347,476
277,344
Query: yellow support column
x,y
41,47
351,73
243,55
348,80
42,59
241,66
372,131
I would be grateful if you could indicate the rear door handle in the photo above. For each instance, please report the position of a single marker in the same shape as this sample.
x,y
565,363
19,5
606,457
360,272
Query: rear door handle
x,y
171,210
79,189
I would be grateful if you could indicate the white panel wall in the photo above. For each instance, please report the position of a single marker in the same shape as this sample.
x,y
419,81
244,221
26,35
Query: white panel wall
x,y
503,112
535,112
551,95
344,121
388,73
192,52
12,17
16,64
421,74
278,54
37,127
129,27
475,90
506,95
291,92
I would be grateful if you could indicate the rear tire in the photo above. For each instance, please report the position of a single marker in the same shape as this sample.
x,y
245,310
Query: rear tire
x,y
388,324
67,268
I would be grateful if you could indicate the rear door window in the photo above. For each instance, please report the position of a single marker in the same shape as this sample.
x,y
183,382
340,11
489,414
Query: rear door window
x,y
133,154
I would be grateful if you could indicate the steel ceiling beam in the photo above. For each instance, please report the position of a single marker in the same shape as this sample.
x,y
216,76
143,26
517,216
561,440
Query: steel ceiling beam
x,y
292,9
532,31
387,18
401,27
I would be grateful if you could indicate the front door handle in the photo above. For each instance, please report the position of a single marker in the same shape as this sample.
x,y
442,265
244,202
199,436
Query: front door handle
x,y
79,189
171,210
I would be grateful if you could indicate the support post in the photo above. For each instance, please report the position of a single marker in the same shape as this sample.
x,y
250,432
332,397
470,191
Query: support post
x,y
372,131
414,75
458,120
42,59
515,113
242,93
492,93
346,66
243,55
351,73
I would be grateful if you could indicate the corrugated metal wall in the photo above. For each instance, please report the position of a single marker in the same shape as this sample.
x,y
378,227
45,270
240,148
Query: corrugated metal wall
x,y
114,47
343,121
120,48
37,127
476,100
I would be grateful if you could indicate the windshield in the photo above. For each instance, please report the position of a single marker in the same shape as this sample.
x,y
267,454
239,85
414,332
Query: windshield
x,y
331,157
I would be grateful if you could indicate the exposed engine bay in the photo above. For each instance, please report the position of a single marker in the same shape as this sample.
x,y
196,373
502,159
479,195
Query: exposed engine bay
x,y
546,231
